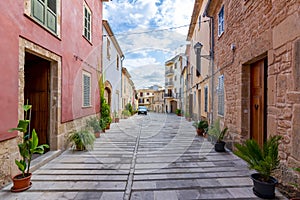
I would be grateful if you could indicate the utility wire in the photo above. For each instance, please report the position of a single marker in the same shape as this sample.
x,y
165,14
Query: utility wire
x,y
158,30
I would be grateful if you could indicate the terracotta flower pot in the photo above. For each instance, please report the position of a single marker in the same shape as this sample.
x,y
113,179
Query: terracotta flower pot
x,y
200,132
21,183
97,134
117,120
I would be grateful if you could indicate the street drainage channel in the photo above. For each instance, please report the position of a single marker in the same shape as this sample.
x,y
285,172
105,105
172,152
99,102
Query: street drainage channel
x,y
129,183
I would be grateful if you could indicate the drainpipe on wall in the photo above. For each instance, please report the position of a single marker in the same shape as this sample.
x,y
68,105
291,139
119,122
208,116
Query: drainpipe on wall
x,y
121,93
212,45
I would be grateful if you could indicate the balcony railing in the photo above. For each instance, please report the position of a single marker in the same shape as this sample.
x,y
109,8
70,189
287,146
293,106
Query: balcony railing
x,y
169,84
168,95
170,72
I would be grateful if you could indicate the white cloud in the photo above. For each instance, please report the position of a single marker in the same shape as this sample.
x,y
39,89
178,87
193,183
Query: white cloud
x,y
128,17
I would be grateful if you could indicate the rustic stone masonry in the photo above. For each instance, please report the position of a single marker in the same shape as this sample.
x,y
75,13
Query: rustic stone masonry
x,y
261,30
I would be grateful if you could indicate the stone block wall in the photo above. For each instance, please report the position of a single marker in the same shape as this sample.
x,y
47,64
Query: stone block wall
x,y
261,29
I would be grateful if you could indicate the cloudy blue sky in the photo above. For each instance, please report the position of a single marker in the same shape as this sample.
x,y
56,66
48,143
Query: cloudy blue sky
x,y
149,32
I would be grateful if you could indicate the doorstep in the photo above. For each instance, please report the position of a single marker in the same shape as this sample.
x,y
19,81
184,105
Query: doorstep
x,y
44,159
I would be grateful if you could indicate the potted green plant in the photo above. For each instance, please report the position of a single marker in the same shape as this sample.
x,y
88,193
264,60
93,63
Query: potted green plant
x,y
201,127
82,140
187,116
126,113
94,124
102,123
218,134
264,160
178,112
116,117
27,148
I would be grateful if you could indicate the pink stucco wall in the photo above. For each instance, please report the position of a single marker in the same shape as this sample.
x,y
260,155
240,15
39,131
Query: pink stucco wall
x,y
14,24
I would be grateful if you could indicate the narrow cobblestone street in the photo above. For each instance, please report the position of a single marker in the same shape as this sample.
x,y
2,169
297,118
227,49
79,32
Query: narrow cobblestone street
x,y
148,157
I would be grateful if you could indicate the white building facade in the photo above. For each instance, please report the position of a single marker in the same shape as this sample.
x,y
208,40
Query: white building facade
x,y
112,57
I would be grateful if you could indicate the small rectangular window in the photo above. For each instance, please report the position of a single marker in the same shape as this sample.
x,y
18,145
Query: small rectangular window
x,y
205,99
221,95
87,21
86,89
44,11
221,21
117,62
108,49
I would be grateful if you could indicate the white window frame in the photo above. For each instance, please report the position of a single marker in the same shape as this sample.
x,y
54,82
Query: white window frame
x,y
89,23
48,12
221,20
221,95
86,91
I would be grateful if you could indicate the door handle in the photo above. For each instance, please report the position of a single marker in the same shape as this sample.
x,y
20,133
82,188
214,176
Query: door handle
x,y
256,106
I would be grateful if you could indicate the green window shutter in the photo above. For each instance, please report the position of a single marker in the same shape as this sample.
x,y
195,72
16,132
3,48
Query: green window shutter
x,y
86,90
45,12
51,20
38,10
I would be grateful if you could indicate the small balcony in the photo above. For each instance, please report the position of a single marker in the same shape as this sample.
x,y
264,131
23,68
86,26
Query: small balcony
x,y
170,72
169,84
170,95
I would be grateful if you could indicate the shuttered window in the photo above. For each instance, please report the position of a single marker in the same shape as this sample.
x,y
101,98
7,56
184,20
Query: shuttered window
x,y
205,99
45,12
221,21
221,95
87,21
86,89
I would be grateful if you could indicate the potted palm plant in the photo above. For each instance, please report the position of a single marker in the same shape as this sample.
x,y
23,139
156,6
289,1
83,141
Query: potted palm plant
x,y
216,132
178,112
81,140
94,124
201,127
264,160
27,148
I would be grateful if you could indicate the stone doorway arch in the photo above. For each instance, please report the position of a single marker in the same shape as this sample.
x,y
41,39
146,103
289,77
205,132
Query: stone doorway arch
x,y
107,92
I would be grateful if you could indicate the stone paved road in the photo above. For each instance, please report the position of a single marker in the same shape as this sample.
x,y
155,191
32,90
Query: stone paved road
x,y
145,157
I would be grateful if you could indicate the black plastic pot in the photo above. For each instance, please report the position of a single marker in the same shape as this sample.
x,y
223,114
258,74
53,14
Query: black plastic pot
x,y
265,190
220,146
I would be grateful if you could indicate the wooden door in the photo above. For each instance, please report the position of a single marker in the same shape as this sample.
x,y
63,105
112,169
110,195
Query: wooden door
x,y
257,102
36,92
199,104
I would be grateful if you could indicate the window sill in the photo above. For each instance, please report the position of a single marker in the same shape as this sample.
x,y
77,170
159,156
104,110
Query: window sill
x,y
84,107
42,26
219,36
87,40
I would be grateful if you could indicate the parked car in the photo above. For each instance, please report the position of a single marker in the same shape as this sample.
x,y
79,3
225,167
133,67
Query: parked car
x,y
142,110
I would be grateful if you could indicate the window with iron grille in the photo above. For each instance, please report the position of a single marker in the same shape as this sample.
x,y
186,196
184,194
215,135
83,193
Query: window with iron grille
x,y
205,99
86,89
221,95
45,12
221,21
87,31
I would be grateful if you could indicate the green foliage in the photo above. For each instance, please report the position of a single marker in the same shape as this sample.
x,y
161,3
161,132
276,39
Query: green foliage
x,y
216,132
178,111
105,108
94,124
102,123
264,160
126,113
129,108
116,114
201,124
82,140
29,145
